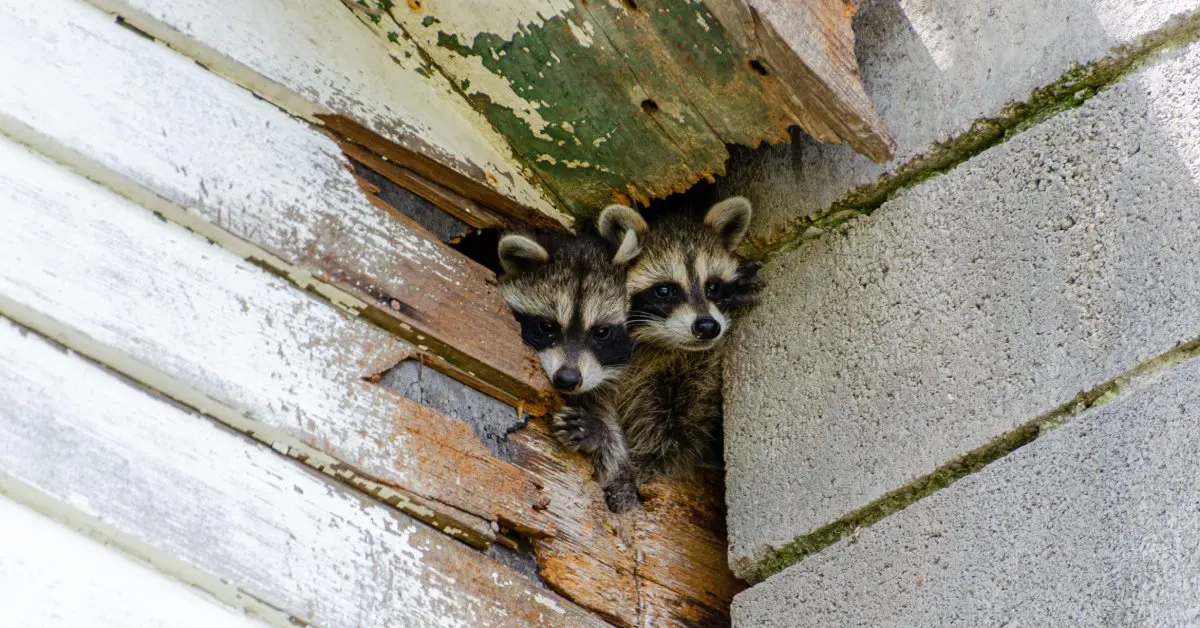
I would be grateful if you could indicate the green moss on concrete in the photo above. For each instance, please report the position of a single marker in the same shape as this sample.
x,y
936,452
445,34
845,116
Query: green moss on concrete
x,y
1071,90
778,559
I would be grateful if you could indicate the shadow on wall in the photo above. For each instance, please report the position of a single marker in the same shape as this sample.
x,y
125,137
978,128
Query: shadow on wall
x,y
971,304
932,68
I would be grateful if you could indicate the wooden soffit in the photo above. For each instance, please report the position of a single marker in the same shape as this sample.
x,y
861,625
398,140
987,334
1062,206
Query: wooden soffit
x,y
630,100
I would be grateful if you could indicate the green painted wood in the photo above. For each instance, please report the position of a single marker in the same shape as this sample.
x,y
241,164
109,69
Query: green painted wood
x,y
608,100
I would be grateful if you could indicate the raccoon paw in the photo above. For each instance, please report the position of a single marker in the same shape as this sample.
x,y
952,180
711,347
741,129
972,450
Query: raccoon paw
x,y
577,430
622,496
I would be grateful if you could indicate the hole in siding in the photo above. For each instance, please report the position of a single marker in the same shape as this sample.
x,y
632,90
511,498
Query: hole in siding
x,y
491,419
649,106
758,67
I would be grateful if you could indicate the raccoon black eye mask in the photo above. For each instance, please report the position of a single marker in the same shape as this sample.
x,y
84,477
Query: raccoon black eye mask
x,y
686,289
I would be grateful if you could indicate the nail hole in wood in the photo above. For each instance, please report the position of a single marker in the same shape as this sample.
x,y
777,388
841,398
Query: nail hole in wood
x,y
631,5
758,67
649,106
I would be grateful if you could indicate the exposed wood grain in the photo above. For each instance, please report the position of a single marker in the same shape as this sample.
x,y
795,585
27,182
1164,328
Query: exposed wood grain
x,y
314,59
179,485
807,49
51,577
148,299
156,127
663,564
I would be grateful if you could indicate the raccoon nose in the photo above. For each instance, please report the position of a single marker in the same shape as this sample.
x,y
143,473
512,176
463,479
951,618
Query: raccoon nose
x,y
567,380
706,328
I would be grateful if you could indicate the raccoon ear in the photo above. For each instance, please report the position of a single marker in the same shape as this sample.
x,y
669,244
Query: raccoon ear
x,y
520,254
730,219
623,226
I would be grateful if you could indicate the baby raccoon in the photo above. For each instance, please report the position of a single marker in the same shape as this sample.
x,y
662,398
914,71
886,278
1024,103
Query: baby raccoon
x,y
568,294
685,289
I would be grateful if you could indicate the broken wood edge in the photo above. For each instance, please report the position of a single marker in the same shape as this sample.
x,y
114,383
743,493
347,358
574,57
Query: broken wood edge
x,y
346,129
469,528
527,448
832,107
468,211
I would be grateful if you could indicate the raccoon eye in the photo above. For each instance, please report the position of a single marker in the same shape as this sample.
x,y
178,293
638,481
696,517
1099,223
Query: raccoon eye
x,y
547,327
712,289
664,291
602,332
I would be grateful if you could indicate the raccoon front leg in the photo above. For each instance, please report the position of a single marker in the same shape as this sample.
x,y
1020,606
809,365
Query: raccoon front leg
x,y
577,429
592,428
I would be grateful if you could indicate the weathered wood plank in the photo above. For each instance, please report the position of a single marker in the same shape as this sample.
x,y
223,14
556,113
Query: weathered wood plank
x,y
177,484
637,99
148,299
663,564
315,60
51,576
186,143
807,50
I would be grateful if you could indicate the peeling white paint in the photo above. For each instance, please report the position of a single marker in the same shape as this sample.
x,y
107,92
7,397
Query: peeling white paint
x,y
279,49
165,482
51,576
583,34
702,22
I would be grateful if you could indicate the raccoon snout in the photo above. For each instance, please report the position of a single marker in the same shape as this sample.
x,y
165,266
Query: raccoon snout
x,y
706,328
567,379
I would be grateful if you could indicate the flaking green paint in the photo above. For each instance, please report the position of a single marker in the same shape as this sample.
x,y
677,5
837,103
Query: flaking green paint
x,y
1069,91
602,134
781,558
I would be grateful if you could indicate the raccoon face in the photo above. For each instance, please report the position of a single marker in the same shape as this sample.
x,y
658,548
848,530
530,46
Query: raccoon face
x,y
687,284
568,294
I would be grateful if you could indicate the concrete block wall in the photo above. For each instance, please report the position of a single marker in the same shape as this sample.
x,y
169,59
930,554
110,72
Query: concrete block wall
x,y
1030,261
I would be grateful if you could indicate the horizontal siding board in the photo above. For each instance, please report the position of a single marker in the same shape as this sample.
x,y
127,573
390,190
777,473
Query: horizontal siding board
x,y
314,59
183,486
151,124
52,576
149,299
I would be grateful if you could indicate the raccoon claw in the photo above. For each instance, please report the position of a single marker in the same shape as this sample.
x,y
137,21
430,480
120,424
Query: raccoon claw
x,y
621,497
576,430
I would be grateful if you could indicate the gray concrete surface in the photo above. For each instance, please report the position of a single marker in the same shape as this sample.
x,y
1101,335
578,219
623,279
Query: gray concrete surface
x,y
966,306
1097,523
932,68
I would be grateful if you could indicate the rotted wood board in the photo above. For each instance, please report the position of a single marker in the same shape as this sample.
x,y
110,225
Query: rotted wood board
x,y
182,141
315,60
661,565
233,517
164,307
636,99
54,577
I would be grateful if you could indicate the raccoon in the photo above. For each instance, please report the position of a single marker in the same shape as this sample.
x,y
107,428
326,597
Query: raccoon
x,y
684,290
568,294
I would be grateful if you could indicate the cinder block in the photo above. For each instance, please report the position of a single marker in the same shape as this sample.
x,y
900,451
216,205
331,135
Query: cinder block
x,y
932,69
1096,523
965,307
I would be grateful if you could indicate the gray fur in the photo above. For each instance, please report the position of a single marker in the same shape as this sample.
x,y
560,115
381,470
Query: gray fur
x,y
668,401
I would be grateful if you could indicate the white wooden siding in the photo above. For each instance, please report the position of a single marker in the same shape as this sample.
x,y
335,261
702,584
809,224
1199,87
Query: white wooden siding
x,y
51,576
180,485
314,57
147,298
161,130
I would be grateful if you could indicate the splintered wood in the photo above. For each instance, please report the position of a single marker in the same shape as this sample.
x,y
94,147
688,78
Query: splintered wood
x,y
660,565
